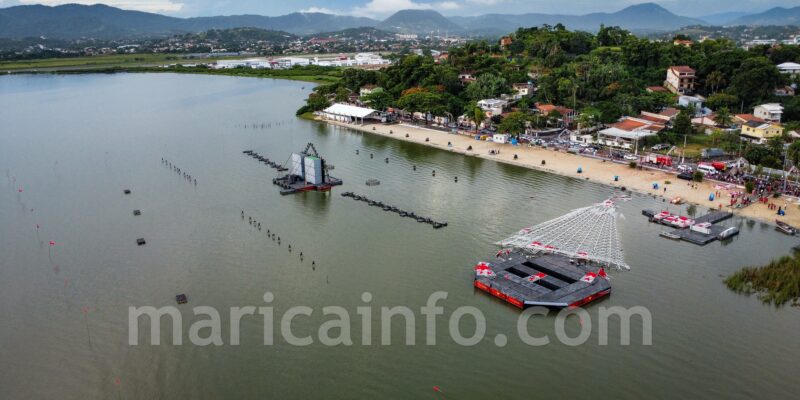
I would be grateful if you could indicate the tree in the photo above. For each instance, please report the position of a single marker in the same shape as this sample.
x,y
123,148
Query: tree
x,y
756,79
477,116
718,100
514,123
723,117
683,122
793,153
342,94
553,117
486,86
714,80
379,99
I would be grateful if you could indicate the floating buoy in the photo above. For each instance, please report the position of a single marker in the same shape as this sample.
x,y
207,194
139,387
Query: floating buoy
x,y
181,299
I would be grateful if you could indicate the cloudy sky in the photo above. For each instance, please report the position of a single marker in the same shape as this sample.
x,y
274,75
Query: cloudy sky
x,y
382,8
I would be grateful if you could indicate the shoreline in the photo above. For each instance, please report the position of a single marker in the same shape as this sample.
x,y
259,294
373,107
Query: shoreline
x,y
594,169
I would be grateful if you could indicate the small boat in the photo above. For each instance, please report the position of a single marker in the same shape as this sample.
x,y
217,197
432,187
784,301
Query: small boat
x,y
732,231
669,235
783,227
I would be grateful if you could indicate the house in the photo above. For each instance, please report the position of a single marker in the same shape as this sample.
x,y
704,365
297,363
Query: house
x,y
492,107
467,77
628,131
680,79
522,89
785,91
760,132
790,68
656,89
368,90
666,115
770,112
567,114
696,102
684,43
706,123
506,41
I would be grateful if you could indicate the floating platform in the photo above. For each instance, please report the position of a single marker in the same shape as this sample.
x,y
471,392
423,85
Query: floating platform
x,y
126,191
137,212
550,280
687,233
181,299
140,241
294,184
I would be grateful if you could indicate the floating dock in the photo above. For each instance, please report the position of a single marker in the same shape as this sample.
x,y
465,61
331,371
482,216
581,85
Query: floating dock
x,y
550,280
700,231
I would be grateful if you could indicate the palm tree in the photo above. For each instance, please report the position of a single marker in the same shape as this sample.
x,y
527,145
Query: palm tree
x,y
714,80
477,116
723,117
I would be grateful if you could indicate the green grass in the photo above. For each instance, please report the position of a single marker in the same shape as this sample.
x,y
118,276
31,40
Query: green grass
x,y
150,62
307,116
776,283
90,61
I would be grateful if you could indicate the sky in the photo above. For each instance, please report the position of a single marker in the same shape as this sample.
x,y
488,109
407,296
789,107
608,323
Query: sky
x,y
383,8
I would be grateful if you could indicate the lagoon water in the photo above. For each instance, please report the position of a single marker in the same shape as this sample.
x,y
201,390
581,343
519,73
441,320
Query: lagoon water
x,y
74,143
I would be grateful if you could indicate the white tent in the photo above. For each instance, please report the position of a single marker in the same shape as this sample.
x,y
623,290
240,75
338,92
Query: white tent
x,y
347,113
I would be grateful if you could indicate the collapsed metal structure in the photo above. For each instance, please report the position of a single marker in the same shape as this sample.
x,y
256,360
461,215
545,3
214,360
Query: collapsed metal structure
x,y
588,233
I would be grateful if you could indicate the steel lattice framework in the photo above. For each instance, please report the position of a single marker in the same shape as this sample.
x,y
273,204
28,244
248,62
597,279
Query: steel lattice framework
x,y
588,233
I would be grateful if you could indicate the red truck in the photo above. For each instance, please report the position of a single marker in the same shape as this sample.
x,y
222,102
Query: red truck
x,y
659,159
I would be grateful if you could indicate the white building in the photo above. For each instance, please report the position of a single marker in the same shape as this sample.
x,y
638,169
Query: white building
x,y
350,114
492,107
680,79
769,112
255,63
697,103
790,68
616,137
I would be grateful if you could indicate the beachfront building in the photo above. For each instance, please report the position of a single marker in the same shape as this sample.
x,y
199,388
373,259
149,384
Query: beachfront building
x,y
492,107
628,132
790,68
771,112
567,114
680,79
348,113
760,132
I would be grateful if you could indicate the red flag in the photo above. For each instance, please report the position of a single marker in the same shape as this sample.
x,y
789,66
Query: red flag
x,y
602,273
52,243
436,389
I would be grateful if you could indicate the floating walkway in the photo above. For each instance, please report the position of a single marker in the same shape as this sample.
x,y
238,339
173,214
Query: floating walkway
x,y
390,208
266,161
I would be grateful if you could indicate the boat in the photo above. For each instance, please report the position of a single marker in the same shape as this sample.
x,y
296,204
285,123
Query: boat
x,y
783,227
669,235
732,231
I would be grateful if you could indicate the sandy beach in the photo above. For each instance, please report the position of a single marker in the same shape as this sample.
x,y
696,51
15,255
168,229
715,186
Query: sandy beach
x,y
596,170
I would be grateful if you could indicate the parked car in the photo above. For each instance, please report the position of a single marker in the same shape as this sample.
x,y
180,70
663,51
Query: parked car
x,y
661,146
686,175
685,168
630,157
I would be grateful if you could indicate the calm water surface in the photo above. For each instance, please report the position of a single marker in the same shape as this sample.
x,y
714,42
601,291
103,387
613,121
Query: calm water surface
x,y
73,143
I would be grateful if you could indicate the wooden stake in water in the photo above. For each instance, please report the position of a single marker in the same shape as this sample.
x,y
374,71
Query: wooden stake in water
x,y
85,311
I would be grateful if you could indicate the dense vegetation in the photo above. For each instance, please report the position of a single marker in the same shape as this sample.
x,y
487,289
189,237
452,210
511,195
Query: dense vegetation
x,y
604,76
776,283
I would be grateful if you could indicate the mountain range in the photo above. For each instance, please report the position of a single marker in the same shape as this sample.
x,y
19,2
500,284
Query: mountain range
x,y
72,21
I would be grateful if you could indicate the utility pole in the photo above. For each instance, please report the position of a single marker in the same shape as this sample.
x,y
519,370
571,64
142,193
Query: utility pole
x,y
683,153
